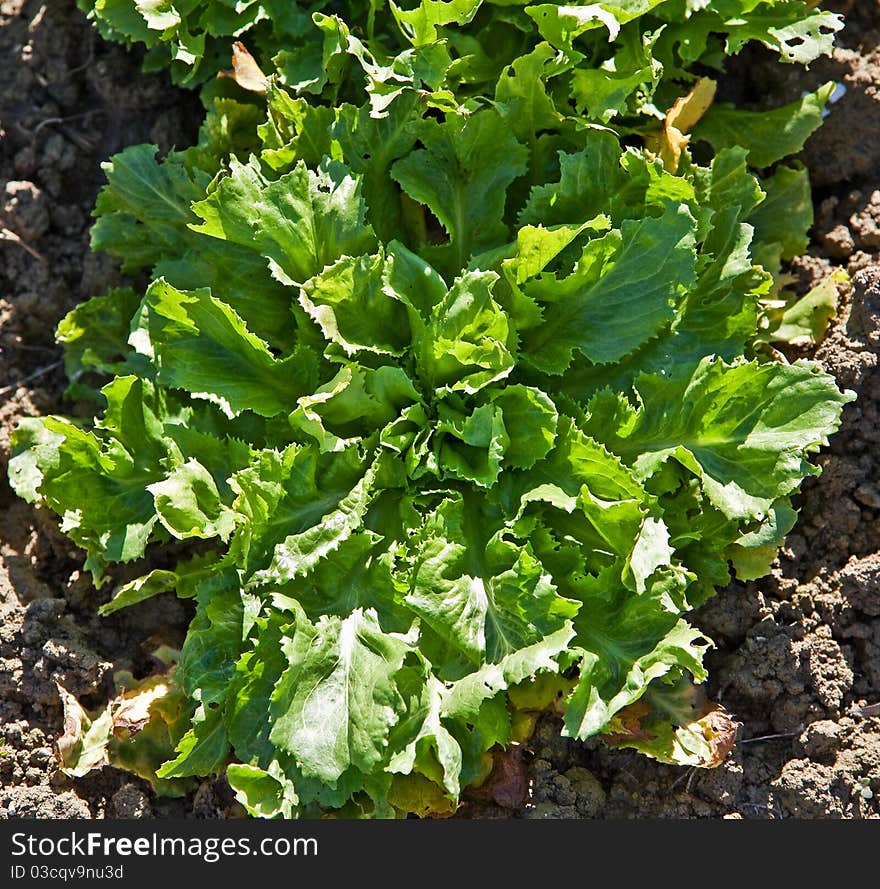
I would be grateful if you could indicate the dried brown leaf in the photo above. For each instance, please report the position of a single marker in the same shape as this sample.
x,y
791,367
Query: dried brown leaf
x,y
245,70
131,711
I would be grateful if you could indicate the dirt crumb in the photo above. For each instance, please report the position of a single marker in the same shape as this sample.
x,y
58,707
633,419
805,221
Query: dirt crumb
x,y
130,801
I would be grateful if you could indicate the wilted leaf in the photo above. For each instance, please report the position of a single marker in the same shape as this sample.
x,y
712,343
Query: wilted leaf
x,y
245,70
704,742
83,745
670,140
132,710
507,785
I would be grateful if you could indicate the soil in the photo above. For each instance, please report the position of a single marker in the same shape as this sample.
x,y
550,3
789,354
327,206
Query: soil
x,y
797,654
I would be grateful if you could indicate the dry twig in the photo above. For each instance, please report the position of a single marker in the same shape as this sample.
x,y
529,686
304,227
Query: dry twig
x,y
6,234
39,372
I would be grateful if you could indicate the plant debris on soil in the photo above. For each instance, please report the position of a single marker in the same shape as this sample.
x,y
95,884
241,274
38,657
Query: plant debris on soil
x,y
797,654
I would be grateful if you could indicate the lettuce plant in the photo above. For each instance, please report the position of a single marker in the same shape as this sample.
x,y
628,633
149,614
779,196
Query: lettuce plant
x,y
458,401
621,46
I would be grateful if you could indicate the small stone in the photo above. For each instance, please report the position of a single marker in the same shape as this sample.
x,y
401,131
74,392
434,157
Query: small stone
x,y
839,242
820,739
25,209
42,757
868,495
590,796
562,791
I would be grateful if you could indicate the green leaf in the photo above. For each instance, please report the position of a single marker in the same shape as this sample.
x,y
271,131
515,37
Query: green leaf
x,y
348,304
607,91
288,494
521,95
261,793
462,175
356,399
153,584
256,673
240,278
537,247
783,219
797,39
188,504
804,321
488,607
465,345
338,699
203,750
621,293
627,642
718,316
745,430
465,697
580,477
360,574
420,24
203,347
768,135
530,424
423,68
158,14
729,183
35,450
298,553
214,640
591,183
144,210
469,446
561,25
434,752
415,283
753,553
95,336
97,481
371,145
302,221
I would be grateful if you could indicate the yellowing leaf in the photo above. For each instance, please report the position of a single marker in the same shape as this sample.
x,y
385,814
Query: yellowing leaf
x,y
804,321
132,709
83,745
705,742
245,70
415,793
670,139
